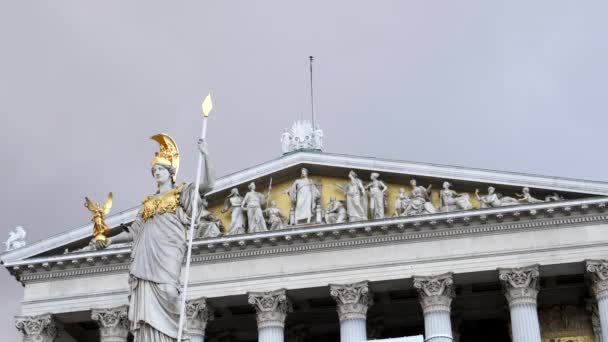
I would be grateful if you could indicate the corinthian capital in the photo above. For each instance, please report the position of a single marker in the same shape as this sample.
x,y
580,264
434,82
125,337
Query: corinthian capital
x,y
598,272
199,313
113,322
37,328
271,307
353,300
435,292
520,284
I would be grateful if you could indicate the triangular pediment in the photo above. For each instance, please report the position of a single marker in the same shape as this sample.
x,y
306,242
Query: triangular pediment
x,y
330,169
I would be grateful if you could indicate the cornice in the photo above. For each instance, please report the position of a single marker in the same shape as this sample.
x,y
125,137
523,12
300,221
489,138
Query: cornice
x,y
339,236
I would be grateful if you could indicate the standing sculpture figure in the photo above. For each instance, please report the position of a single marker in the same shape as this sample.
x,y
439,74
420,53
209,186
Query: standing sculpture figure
x,y
304,195
492,200
377,196
335,212
159,244
253,204
237,216
526,197
450,200
276,220
356,198
286,141
401,203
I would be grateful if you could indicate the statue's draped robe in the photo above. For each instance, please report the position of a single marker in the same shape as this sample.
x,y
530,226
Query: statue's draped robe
x,y
304,192
159,245
356,202
377,199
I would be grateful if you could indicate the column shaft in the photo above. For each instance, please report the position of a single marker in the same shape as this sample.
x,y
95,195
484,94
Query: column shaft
x,y
436,293
271,334
353,330
602,306
437,327
524,323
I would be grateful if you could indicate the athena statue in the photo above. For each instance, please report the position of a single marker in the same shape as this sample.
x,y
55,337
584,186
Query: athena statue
x,y
159,244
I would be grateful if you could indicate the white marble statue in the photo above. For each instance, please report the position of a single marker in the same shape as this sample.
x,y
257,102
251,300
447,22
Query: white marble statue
x,y
493,200
209,226
286,141
335,211
356,198
426,192
555,197
252,203
450,200
304,194
276,219
318,139
233,204
16,239
419,203
401,202
377,196
526,197
159,235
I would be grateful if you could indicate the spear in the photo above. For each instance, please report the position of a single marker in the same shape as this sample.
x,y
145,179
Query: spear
x,y
206,107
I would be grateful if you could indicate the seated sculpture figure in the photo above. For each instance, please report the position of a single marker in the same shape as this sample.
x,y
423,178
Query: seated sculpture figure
x,y
450,200
276,220
209,226
335,211
419,204
493,200
526,197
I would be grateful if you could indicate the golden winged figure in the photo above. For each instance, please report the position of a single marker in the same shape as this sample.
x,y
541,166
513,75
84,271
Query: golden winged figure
x,y
100,227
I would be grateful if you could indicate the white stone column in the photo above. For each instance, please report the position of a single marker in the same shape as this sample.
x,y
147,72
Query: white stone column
x,y
113,323
271,310
521,289
37,328
436,293
598,272
198,313
352,300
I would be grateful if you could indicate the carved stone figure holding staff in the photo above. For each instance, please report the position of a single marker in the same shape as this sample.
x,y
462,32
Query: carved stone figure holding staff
x,y
304,194
159,245
252,203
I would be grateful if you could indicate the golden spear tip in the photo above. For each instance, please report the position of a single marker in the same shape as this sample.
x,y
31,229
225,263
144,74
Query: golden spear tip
x,y
207,105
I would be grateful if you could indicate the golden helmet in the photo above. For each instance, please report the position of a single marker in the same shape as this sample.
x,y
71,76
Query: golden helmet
x,y
168,154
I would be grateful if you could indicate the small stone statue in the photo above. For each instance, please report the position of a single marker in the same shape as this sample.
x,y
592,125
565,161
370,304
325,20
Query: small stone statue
x,y
253,204
335,211
426,192
493,200
286,141
555,197
419,202
16,239
356,198
526,197
318,139
276,220
209,225
377,196
233,204
450,200
401,203
304,194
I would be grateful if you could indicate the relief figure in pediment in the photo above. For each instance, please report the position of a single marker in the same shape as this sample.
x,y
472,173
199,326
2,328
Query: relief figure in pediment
x,y
252,203
450,200
419,203
356,198
304,194
493,199
276,219
526,197
209,226
335,211
159,235
401,203
233,204
377,196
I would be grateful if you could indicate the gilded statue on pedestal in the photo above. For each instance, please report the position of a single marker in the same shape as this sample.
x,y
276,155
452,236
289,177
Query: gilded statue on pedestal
x,y
100,228
159,243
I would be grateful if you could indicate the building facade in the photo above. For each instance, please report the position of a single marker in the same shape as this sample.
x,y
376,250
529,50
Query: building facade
x,y
353,250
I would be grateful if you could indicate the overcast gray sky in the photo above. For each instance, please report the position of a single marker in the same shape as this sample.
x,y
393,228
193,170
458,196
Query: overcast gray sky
x,y
510,85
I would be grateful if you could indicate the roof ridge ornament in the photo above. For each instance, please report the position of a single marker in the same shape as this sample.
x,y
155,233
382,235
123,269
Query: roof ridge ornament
x,y
302,137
